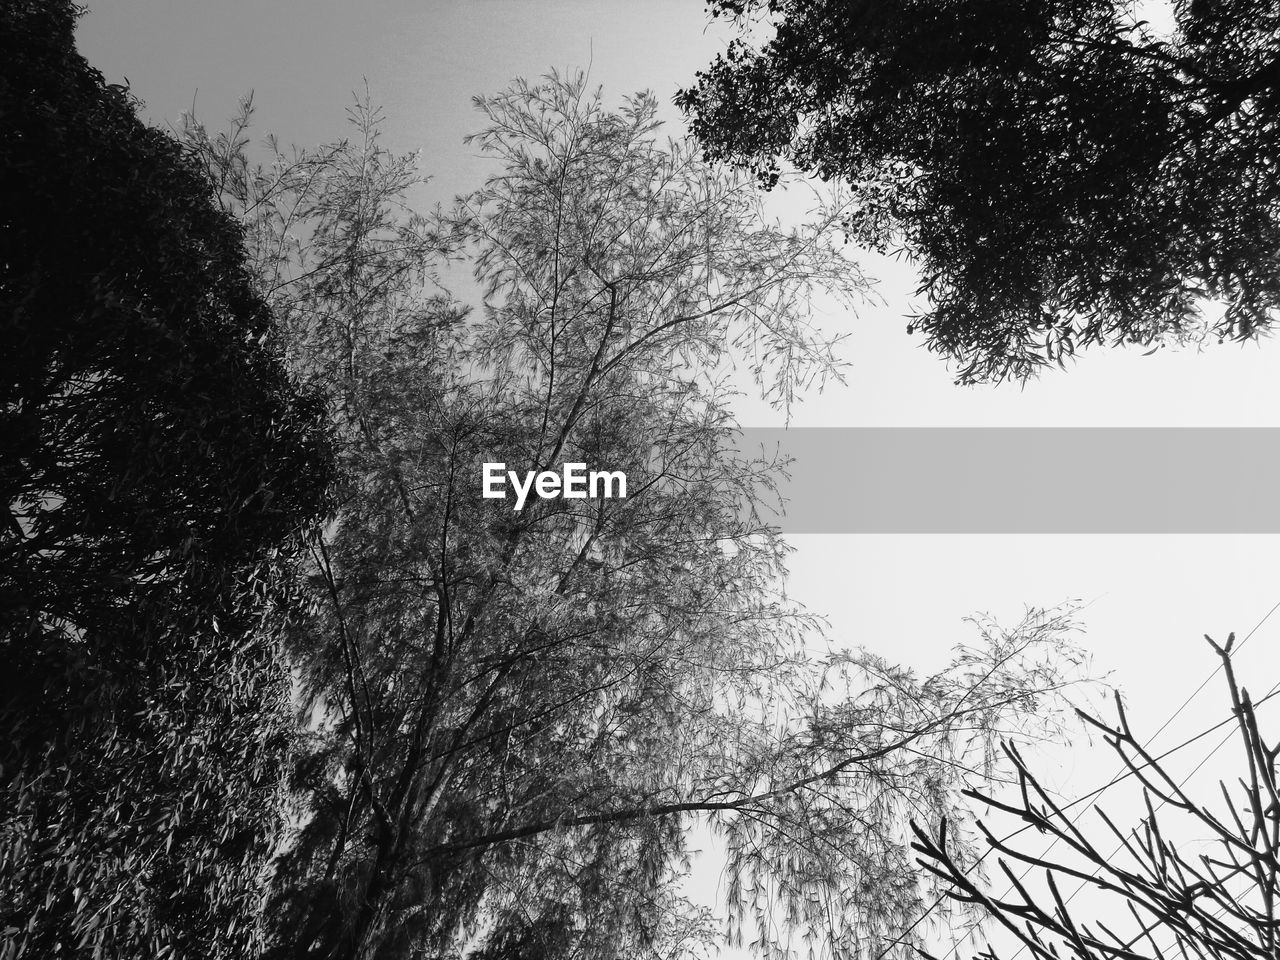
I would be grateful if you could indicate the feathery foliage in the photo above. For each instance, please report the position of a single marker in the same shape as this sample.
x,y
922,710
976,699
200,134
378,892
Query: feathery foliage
x,y
517,715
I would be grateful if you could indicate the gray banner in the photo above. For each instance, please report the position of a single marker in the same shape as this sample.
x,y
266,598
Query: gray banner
x,y
1012,480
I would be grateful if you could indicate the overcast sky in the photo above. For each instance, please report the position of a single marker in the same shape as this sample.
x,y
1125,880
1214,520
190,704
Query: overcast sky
x,y
1150,597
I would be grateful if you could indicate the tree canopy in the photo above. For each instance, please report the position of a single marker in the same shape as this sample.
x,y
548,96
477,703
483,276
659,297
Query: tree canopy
x,y
1062,173
156,462
515,717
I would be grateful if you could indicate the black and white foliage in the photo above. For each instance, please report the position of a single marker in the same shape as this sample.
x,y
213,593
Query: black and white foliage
x,y
516,716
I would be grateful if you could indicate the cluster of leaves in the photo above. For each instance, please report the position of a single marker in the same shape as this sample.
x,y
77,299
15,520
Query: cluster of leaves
x,y
156,458
514,717
1063,174
509,719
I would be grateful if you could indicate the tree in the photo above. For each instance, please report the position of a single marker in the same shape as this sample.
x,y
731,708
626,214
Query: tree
x,y
1193,881
516,714
1063,174
157,460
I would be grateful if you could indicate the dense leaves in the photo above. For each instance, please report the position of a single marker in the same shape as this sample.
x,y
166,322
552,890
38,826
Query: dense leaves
x,y
155,458
1062,173
516,716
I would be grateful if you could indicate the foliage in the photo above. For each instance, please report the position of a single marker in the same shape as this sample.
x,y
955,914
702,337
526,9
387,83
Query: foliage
x,y
516,716
156,459
1193,881
1063,173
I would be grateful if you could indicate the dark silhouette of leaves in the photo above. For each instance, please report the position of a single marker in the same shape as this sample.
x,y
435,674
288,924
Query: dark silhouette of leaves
x,y
155,461
1061,174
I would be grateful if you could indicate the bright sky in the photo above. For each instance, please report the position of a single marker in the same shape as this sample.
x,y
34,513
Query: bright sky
x,y
1150,597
